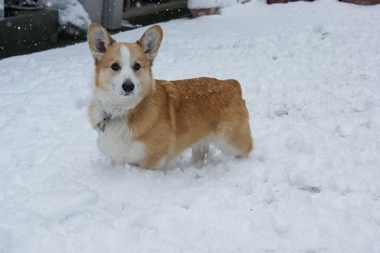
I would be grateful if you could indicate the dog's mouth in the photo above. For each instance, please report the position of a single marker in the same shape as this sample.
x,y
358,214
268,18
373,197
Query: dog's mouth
x,y
127,94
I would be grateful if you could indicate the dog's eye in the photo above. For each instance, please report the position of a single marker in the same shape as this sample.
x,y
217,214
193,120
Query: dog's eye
x,y
136,66
115,67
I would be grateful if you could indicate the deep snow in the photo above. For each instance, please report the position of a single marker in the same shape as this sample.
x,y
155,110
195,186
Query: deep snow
x,y
311,78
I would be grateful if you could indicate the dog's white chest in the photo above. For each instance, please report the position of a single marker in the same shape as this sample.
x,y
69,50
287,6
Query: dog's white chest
x,y
116,143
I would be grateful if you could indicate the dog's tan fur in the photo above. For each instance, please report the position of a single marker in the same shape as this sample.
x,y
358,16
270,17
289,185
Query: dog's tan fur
x,y
167,116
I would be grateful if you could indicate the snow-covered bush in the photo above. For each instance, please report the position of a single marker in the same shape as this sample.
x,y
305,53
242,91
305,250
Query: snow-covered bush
x,y
71,13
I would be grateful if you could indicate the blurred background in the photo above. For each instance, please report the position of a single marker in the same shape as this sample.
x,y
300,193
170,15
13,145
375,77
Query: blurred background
x,y
28,26
33,25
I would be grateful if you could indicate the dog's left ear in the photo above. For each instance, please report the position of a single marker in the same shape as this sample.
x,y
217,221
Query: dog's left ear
x,y
150,42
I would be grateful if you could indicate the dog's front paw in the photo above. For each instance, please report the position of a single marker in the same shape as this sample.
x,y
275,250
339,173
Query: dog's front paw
x,y
95,114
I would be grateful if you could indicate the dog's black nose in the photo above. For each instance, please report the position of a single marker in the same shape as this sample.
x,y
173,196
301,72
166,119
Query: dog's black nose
x,y
128,86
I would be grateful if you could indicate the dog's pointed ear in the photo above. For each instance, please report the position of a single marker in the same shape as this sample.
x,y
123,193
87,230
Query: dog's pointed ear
x,y
150,42
99,40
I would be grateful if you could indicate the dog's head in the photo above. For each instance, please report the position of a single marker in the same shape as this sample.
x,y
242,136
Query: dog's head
x,y
123,74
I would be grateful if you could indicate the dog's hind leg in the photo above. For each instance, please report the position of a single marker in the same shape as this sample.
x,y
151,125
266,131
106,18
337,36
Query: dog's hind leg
x,y
198,151
235,139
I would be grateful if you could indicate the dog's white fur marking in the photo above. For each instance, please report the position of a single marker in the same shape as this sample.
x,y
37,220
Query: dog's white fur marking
x,y
112,101
125,73
116,143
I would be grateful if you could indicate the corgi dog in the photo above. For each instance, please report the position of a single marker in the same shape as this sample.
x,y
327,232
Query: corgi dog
x,y
146,122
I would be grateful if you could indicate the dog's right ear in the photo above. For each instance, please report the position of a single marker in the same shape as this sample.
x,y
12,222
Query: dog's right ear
x,y
99,40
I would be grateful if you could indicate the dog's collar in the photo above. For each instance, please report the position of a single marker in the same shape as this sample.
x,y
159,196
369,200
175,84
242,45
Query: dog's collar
x,y
101,126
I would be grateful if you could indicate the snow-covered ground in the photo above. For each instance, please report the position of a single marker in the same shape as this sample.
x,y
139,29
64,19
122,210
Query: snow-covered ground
x,y
198,4
311,78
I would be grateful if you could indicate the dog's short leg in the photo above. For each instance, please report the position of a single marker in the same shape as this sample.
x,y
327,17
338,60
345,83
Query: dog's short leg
x,y
235,139
198,151
95,114
155,161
